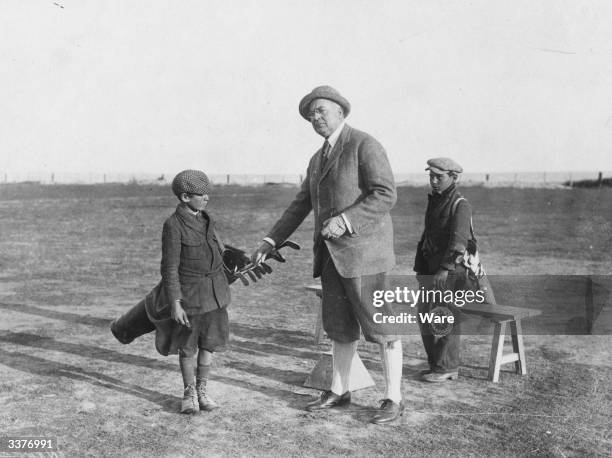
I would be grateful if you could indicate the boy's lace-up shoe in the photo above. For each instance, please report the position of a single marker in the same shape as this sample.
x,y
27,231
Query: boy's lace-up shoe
x,y
189,404
204,400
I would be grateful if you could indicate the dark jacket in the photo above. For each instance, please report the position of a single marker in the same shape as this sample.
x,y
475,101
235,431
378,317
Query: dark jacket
x,y
445,236
356,180
192,265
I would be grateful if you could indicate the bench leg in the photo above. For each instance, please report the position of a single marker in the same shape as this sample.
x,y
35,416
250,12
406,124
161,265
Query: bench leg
x,y
496,351
518,347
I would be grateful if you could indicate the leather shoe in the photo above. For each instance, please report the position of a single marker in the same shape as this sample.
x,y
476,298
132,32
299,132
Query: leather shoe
x,y
436,377
328,400
389,411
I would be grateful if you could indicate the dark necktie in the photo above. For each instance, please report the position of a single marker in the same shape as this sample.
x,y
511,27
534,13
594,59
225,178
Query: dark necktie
x,y
325,156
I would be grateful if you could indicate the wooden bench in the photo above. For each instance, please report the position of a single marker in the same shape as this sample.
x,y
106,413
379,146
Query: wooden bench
x,y
500,315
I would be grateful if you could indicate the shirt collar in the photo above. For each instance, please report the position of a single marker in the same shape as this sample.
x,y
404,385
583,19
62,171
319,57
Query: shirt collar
x,y
186,210
333,138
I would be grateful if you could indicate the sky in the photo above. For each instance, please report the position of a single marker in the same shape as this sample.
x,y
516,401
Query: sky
x,y
148,86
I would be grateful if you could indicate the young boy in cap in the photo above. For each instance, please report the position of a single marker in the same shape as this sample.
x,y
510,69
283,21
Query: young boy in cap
x,y
195,287
439,262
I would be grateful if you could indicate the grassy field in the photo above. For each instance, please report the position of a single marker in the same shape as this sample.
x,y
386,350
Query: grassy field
x,y
72,258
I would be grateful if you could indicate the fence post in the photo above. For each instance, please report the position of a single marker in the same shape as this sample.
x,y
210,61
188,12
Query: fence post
x,y
227,179
600,179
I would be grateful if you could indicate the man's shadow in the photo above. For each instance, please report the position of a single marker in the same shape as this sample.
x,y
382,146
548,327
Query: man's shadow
x,y
254,348
64,316
45,367
87,351
288,337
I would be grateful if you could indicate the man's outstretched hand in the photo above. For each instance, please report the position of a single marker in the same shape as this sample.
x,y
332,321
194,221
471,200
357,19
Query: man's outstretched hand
x,y
238,266
261,252
265,251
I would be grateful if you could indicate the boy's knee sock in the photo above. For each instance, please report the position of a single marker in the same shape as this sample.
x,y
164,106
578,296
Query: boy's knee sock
x,y
203,373
204,364
343,354
188,364
391,356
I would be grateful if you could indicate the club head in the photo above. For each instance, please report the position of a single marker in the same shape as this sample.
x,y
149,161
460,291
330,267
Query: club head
x,y
277,256
252,276
267,269
290,244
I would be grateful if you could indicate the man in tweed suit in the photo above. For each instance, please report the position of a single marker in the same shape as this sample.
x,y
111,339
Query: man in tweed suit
x,y
349,186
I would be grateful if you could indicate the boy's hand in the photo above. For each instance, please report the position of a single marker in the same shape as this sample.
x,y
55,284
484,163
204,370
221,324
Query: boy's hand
x,y
178,314
439,279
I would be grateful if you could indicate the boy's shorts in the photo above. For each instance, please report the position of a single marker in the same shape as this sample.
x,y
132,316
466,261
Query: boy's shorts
x,y
209,332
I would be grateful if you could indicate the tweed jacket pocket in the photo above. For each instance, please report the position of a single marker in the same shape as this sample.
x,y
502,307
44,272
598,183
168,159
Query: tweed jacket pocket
x,y
191,248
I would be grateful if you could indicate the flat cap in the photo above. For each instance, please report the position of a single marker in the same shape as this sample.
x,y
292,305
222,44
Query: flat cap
x,y
323,92
444,164
190,182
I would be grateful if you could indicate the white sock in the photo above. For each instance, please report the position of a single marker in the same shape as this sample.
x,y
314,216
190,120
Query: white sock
x,y
343,354
391,357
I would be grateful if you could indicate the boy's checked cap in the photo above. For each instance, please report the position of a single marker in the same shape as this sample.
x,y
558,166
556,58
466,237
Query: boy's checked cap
x,y
443,164
190,182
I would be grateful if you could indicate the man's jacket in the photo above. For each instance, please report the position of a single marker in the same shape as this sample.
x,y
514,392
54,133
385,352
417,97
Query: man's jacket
x,y
357,181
